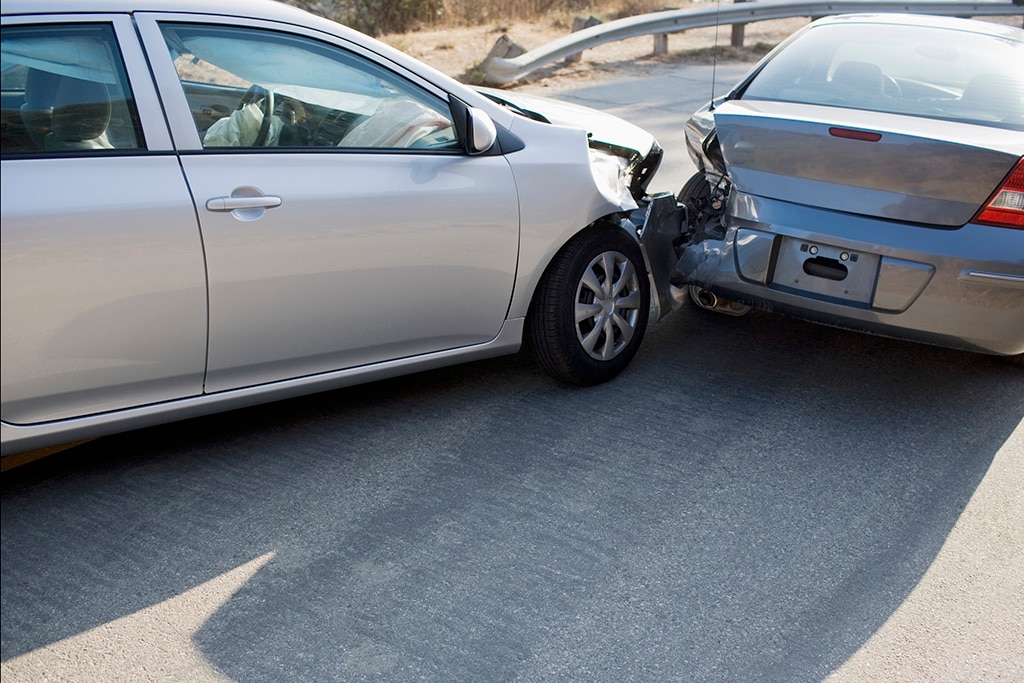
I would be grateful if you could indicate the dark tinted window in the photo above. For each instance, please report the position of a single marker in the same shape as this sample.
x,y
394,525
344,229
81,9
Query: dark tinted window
x,y
64,90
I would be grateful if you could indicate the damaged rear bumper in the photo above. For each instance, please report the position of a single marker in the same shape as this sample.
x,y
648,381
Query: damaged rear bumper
x,y
863,274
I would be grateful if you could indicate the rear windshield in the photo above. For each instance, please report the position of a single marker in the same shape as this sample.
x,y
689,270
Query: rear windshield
x,y
931,72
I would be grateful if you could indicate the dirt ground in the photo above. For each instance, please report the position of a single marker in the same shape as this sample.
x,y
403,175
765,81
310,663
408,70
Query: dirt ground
x,y
458,50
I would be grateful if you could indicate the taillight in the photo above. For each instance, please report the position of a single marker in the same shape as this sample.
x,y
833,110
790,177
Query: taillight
x,y
1005,207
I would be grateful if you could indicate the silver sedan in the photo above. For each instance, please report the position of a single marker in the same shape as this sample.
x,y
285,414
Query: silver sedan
x,y
868,174
212,204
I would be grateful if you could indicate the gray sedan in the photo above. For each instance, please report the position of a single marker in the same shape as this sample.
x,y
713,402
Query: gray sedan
x,y
212,204
868,174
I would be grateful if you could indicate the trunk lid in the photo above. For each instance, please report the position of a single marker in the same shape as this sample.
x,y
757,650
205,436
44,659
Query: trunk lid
x,y
889,166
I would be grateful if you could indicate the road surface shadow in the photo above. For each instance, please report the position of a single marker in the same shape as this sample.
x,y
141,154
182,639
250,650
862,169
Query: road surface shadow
x,y
750,500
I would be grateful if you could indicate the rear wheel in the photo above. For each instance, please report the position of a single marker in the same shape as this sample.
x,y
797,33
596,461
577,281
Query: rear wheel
x,y
696,196
590,313
697,188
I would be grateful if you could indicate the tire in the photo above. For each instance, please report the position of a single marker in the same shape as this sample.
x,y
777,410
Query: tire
x,y
696,197
696,188
590,312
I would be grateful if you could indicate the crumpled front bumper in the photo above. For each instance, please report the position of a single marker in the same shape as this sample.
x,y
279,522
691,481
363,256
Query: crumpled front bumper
x,y
659,222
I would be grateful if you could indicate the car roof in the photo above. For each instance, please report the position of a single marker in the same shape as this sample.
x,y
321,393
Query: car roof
x,y
927,21
262,9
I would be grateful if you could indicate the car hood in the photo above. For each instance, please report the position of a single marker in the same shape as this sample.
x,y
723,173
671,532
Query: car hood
x,y
606,130
608,134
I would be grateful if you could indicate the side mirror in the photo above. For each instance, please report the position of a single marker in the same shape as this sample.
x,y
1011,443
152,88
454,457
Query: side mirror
x,y
476,131
483,134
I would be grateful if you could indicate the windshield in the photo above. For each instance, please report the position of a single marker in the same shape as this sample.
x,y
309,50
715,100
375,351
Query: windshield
x,y
920,71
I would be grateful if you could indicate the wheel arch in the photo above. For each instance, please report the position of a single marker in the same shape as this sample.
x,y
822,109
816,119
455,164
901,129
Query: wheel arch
x,y
532,285
603,269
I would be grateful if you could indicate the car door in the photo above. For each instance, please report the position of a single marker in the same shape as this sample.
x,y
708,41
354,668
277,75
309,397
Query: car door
x,y
103,280
342,222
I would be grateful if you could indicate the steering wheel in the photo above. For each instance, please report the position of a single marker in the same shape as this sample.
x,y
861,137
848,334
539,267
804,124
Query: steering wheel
x,y
265,101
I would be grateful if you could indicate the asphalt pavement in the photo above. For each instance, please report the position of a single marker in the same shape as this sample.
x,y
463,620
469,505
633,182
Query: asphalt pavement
x,y
754,499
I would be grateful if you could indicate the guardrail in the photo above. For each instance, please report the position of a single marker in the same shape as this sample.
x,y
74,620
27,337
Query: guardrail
x,y
500,71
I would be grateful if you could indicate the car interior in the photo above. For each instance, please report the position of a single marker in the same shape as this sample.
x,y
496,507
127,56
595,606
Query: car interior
x,y
52,112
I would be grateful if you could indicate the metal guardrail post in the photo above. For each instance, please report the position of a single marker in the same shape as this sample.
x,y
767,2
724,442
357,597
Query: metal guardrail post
x,y
660,43
738,30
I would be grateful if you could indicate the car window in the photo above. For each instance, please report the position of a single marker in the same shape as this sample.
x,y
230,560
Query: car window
x,y
259,88
64,90
912,70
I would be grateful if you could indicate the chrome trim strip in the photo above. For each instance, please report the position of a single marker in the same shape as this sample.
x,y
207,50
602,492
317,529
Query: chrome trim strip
x,y
998,279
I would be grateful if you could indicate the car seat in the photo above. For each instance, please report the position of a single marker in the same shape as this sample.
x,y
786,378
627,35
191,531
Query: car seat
x,y
859,83
81,112
992,97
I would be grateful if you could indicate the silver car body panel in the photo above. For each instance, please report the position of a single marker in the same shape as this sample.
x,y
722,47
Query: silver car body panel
x,y
362,257
914,171
352,269
549,170
918,282
18,438
115,317
863,219
554,184
603,128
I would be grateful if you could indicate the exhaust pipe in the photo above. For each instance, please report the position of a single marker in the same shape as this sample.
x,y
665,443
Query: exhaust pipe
x,y
710,301
706,298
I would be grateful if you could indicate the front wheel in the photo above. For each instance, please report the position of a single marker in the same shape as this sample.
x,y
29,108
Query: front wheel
x,y
590,313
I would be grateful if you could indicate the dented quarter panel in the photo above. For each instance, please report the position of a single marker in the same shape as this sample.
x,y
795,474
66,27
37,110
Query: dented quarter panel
x,y
622,160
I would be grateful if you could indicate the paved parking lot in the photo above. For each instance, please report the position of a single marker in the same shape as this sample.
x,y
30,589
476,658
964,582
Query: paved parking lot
x,y
754,499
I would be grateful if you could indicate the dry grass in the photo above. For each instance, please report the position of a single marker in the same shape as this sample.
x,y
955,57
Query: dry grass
x,y
458,49
382,16
474,12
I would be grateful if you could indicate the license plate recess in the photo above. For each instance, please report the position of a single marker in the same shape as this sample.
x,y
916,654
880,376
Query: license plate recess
x,y
820,269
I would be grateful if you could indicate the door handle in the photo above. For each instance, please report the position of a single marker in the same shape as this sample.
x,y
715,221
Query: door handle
x,y
235,203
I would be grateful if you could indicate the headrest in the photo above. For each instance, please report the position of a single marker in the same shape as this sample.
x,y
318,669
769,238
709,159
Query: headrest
x,y
863,77
81,110
996,96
